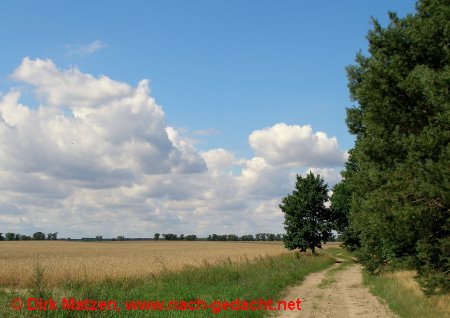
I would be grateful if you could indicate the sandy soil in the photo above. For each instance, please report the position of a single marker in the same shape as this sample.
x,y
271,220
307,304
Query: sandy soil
x,y
344,297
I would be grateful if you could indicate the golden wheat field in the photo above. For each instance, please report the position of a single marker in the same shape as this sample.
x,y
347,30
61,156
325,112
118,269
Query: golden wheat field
x,y
65,261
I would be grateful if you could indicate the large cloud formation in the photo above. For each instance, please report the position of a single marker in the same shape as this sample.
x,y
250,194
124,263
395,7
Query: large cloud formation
x,y
295,145
96,157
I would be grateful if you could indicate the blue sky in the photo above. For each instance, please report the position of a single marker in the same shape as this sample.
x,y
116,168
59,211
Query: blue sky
x,y
220,70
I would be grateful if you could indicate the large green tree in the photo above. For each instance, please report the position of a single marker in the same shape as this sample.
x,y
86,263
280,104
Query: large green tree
x,y
307,220
401,192
341,201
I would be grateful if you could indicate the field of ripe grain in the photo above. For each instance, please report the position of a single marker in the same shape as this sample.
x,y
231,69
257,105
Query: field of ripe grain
x,y
64,261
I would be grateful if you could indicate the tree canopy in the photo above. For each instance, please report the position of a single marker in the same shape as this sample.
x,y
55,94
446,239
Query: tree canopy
x,y
307,220
401,190
39,236
340,207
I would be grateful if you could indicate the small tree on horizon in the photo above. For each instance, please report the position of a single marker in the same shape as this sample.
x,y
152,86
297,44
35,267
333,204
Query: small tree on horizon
x,y
38,236
10,236
307,220
191,237
52,236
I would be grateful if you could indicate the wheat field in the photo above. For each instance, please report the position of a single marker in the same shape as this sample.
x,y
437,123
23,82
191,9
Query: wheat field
x,y
64,261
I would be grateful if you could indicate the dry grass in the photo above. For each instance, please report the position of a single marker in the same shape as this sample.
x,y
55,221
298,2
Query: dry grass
x,y
94,261
407,281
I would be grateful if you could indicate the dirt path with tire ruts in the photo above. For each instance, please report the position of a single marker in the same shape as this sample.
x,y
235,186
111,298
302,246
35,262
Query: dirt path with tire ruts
x,y
335,292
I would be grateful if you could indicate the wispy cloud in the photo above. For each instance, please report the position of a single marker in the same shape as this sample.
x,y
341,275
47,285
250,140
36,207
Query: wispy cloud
x,y
206,132
84,49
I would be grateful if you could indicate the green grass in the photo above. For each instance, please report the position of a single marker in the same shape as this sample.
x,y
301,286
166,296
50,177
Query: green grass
x,y
406,302
265,278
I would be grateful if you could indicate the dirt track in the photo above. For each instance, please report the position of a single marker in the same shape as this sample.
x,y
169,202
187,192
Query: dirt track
x,y
344,296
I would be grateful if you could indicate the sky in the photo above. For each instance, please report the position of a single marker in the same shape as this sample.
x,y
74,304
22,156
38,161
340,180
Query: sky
x,y
188,117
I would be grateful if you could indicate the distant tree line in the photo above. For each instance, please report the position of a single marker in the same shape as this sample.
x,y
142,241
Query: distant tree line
x,y
175,237
217,237
248,237
38,236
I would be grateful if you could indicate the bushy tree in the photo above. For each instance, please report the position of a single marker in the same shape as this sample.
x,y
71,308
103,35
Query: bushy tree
x,y
10,236
341,201
215,237
307,220
170,237
260,237
400,194
39,236
247,237
191,237
156,236
52,236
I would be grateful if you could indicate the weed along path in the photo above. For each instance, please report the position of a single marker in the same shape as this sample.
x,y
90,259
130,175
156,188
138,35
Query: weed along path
x,y
337,292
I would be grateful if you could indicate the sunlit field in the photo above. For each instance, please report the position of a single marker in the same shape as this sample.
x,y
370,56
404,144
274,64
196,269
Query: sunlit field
x,y
64,261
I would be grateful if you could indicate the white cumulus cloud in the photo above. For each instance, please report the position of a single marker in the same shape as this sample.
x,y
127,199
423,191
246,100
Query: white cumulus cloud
x,y
293,145
73,88
96,157
115,132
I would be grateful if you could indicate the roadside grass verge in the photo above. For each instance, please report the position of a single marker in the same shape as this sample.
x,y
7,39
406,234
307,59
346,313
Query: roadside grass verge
x,y
264,278
404,296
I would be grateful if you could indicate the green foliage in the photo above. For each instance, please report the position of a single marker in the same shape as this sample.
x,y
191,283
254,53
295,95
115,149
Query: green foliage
x,y
39,289
340,208
400,191
247,237
170,237
39,236
191,237
10,236
52,236
307,220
